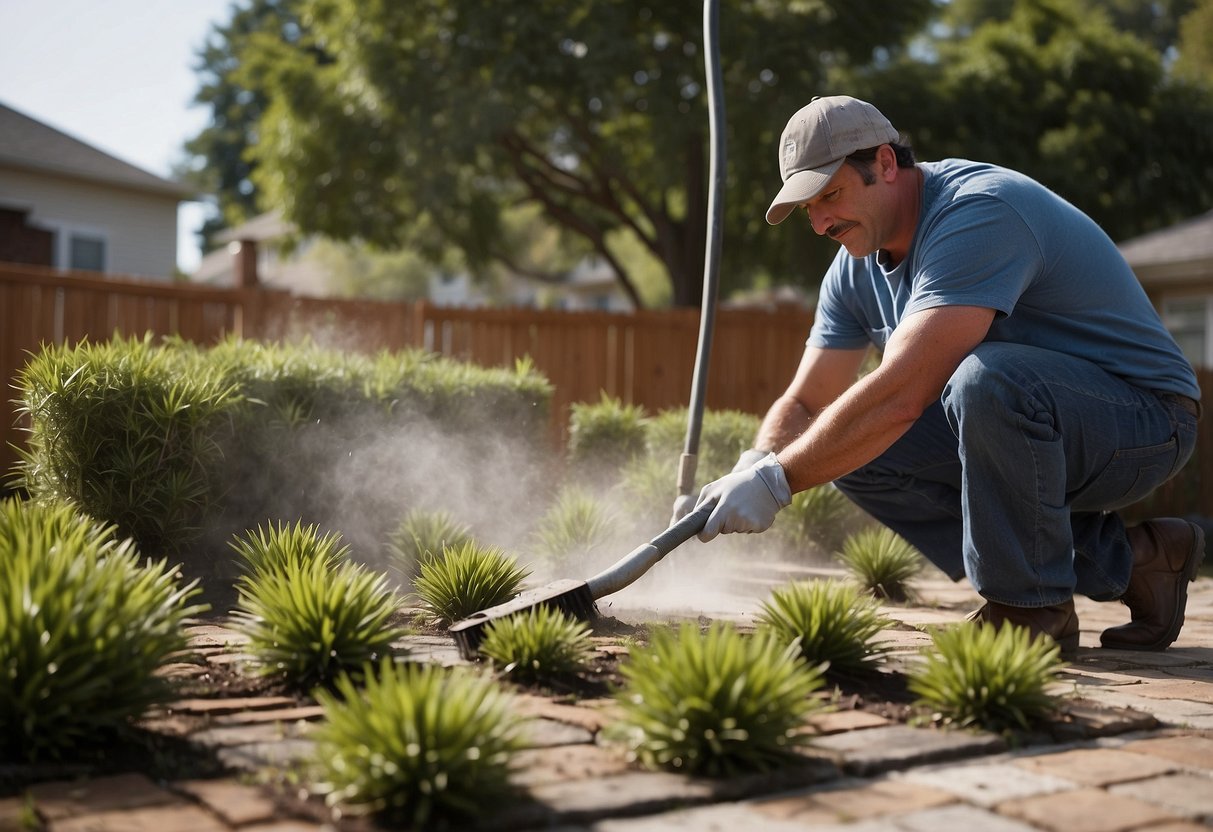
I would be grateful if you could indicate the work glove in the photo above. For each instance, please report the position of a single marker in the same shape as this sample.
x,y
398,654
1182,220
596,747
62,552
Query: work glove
x,y
746,500
684,503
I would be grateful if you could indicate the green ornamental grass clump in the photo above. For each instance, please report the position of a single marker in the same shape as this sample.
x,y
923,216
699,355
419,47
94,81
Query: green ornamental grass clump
x,y
308,620
465,580
538,645
882,562
422,534
424,746
814,515
979,676
831,621
276,547
83,628
715,703
575,524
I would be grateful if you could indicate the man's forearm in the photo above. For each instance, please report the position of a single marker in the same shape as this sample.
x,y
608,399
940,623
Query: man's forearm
x,y
786,419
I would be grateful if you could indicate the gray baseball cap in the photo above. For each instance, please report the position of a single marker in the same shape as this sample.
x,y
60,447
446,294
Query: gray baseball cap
x,y
816,142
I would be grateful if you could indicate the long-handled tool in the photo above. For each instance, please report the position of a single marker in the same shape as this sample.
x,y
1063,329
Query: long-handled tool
x,y
577,598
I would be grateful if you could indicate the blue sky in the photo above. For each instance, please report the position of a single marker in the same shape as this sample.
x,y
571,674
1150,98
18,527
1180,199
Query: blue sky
x,y
117,74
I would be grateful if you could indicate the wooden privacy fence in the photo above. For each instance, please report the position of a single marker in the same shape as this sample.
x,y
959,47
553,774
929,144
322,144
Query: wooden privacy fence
x,y
644,358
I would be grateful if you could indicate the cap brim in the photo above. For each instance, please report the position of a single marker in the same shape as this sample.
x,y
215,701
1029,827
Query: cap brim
x,y
800,187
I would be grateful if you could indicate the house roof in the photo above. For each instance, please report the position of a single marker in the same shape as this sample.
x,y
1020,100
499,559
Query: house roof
x,y
1183,250
28,144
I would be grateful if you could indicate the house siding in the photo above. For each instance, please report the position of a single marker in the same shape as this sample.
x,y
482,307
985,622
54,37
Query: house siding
x,y
140,228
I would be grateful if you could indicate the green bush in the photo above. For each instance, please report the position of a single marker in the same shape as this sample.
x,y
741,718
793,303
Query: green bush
x,y
881,562
979,676
723,435
538,645
423,746
162,438
308,620
129,432
465,580
423,534
717,703
831,622
607,433
83,628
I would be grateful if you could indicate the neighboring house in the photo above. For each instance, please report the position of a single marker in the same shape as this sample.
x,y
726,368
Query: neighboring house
x,y
66,204
591,285
1175,265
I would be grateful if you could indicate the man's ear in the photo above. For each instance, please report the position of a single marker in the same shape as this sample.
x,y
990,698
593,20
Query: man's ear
x,y
886,163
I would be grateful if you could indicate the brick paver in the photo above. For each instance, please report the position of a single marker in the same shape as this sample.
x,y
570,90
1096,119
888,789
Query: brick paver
x,y
1086,810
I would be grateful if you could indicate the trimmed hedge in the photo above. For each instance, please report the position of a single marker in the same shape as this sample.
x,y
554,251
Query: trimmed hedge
x,y
156,438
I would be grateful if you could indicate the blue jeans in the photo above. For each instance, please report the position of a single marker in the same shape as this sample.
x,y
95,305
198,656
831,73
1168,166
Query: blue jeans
x,y
1014,477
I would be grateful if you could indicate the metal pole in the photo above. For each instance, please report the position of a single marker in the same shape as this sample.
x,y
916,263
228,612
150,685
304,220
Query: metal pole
x,y
711,264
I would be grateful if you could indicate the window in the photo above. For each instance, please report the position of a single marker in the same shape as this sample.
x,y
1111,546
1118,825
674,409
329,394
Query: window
x,y
1190,321
86,252
79,247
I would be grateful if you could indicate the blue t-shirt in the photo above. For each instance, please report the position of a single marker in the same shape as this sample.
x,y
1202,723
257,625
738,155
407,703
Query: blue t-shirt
x,y
994,238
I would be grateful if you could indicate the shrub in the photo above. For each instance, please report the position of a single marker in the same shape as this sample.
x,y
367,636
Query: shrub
x,y
606,433
882,562
723,435
276,548
309,620
976,675
539,644
423,746
128,432
423,534
466,580
716,703
83,627
830,621
574,525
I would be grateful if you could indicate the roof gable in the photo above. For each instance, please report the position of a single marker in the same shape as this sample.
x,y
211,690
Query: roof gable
x,y
28,144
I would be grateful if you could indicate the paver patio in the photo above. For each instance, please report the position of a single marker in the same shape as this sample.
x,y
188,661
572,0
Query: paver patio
x,y
1134,751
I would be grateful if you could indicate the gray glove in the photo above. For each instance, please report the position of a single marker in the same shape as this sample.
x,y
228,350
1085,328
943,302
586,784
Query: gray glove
x,y
747,500
748,458
684,503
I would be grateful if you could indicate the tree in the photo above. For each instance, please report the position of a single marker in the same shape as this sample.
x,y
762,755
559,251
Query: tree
x,y
1195,62
218,161
1058,93
419,123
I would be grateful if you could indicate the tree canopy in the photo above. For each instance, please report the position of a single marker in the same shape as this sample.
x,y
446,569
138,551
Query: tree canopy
x,y
428,124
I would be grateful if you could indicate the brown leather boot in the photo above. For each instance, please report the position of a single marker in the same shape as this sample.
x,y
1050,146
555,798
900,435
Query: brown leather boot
x,y
1166,555
1059,622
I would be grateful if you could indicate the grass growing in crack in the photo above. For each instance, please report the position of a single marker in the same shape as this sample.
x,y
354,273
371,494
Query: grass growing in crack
x,y
421,535
831,621
979,676
882,562
540,644
465,580
276,547
310,619
83,627
424,746
715,703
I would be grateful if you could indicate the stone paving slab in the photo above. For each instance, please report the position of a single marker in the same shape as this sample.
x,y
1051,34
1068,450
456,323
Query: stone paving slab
x,y
892,747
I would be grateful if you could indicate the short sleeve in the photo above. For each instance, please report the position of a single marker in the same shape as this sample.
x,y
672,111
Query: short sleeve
x,y
835,322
